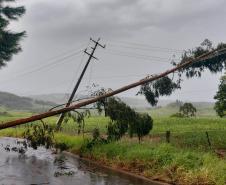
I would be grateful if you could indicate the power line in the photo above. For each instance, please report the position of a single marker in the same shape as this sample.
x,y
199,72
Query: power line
x,y
138,54
145,49
45,66
118,76
111,93
145,58
144,46
66,52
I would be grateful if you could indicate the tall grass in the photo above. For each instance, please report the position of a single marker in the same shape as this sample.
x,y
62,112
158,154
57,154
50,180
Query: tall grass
x,y
186,160
163,162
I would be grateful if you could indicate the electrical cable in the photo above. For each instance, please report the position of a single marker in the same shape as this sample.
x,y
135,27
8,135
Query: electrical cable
x,y
147,59
147,46
45,66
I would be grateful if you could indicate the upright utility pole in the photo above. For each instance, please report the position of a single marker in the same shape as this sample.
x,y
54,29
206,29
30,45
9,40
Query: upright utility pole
x,y
61,118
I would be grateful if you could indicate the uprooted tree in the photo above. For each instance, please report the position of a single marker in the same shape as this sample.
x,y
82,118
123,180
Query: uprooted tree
x,y
9,40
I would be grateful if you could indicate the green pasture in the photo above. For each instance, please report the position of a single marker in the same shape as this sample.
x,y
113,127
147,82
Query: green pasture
x,y
187,159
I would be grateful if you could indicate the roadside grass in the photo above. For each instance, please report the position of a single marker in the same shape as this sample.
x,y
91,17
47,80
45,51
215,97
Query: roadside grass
x,y
12,132
188,159
185,132
92,122
74,143
162,162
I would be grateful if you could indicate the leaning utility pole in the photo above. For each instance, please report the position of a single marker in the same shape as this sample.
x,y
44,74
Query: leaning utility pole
x,y
61,118
215,53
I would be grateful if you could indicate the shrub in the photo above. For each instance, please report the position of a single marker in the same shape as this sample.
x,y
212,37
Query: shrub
x,y
177,115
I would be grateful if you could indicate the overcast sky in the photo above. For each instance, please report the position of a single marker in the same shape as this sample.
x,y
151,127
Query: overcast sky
x,y
141,36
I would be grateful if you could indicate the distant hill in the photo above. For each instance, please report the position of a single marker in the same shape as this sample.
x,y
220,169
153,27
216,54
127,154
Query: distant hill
x,y
14,102
163,108
203,109
37,103
141,103
135,102
58,98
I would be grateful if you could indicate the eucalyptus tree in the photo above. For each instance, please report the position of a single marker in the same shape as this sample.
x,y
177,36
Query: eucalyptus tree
x,y
125,119
220,105
187,110
165,86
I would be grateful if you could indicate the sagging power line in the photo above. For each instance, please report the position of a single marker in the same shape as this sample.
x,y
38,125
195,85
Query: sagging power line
x,y
44,67
139,46
143,57
201,58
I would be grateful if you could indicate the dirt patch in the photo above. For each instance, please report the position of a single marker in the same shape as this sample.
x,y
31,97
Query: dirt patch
x,y
221,153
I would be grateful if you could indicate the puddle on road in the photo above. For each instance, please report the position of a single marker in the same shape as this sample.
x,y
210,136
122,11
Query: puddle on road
x,y
40,167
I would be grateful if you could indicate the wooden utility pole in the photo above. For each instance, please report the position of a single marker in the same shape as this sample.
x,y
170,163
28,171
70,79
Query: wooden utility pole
x,y
212,54
61,118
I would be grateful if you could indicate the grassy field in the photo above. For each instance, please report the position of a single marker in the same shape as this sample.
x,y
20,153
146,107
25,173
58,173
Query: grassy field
x,y
185,132
187,159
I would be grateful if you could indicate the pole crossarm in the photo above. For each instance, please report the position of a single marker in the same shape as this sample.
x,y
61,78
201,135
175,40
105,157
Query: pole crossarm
x,y
62,115
90,54
97,42
91,100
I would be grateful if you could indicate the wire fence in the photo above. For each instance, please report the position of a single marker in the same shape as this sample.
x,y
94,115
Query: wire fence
x,y
192,138
210,138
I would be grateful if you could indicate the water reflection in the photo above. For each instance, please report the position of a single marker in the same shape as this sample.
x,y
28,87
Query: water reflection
x,y
37,167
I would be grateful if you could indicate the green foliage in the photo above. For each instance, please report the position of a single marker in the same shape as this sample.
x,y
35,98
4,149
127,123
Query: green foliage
x,y
73,142
162,87
188,110
101,104
162,161
116,129
118,110
123,119
141,126
214,64
120,115
79,118
40,135
96,133
165,86
89,144
220,105
177,115
9,41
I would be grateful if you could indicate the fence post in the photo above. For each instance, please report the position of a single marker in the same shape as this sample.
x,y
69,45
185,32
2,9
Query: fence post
x,y
208,139
168,136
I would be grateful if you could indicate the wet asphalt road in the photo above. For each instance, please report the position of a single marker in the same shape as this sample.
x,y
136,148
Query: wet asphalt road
x,y
39,167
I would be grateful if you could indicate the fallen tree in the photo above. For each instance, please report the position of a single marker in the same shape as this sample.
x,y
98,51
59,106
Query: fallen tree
x,y
205,59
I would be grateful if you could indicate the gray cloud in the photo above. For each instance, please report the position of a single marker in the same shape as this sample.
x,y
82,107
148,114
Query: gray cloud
x,y
53,26
115,18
